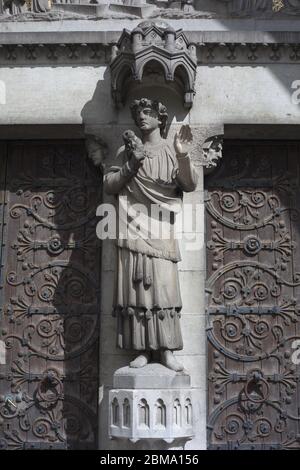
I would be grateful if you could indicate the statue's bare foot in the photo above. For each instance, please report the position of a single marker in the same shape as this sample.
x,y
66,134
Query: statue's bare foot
x,y
169,360
140,361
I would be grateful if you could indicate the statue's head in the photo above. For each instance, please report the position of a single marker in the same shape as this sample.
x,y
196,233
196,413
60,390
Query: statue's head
x,y
149,115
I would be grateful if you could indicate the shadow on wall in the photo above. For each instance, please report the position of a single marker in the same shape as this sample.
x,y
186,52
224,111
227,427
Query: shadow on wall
x,y
77,295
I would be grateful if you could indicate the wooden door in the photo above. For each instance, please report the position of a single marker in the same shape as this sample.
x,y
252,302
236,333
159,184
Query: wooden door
x,y
253,297
49,296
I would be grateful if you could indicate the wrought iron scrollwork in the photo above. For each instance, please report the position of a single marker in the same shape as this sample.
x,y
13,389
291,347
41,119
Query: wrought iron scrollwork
x,y
51,298
253,301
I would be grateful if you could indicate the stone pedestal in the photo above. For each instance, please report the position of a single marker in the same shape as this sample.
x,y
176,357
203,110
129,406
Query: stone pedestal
x,y
151,403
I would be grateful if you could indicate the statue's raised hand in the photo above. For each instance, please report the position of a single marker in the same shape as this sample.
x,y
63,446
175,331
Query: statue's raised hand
x,y
182,141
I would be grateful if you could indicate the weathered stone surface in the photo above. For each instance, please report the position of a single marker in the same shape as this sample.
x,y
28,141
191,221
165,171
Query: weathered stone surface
x,y
151,403
192,286
151,376
18,10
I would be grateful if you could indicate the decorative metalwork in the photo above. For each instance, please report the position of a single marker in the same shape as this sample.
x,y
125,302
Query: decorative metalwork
x,y
253,297
50,298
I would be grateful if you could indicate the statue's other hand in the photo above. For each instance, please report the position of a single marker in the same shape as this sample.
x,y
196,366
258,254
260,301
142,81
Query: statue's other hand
x,y
139,154
137,157
182,140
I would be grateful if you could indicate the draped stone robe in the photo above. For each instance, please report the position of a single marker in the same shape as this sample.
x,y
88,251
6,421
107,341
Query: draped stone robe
x,y
147,300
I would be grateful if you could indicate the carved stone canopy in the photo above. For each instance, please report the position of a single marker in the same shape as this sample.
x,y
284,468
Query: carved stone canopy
x,y
153,42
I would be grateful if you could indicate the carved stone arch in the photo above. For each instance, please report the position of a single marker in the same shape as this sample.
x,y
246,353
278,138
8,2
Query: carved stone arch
x,y
185,80
122,75
153,42
156,59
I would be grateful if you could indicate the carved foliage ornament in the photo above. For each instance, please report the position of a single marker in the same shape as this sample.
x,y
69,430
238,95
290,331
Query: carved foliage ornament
x,y
153,42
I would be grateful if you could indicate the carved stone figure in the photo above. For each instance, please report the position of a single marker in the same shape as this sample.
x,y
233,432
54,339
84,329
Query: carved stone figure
x,y
16,7
97,150
40,6
292,5
150,173
241,7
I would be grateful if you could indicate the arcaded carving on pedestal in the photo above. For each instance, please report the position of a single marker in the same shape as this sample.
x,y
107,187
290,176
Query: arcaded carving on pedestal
x,y
153,404
158,43
151,173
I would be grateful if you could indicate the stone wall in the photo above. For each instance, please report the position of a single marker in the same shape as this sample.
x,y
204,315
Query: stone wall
x,y
75,95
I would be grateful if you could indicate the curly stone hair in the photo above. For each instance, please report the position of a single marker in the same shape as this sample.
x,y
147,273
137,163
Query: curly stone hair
x,y
156,106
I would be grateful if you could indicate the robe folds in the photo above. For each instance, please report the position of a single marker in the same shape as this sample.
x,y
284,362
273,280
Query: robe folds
x,y
147,299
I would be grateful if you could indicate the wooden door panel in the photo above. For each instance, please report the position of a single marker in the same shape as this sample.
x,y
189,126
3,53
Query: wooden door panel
x,y
51,298
253,292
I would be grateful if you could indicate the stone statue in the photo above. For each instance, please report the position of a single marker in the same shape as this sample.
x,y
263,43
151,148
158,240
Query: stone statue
x,y
40,6
17,7
293,6
263,6
13,7
147,300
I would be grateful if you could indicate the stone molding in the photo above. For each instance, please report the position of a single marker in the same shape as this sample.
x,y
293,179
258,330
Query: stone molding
x,y
221,53
247,53
54,53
